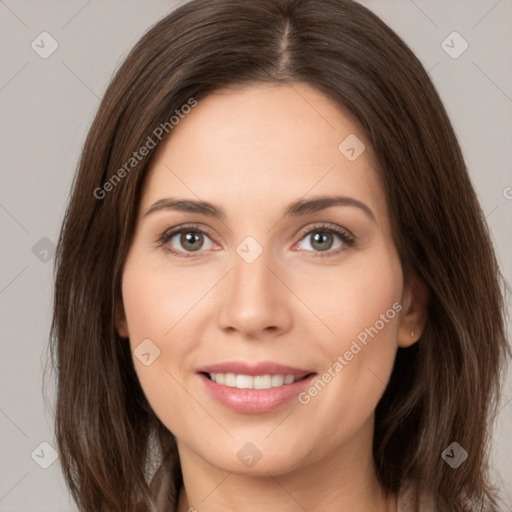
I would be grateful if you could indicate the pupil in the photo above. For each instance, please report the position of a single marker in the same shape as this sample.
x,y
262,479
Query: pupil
x,y
189,240
319,237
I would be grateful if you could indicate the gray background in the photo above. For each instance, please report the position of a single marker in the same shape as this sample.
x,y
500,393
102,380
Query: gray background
x,y
46,107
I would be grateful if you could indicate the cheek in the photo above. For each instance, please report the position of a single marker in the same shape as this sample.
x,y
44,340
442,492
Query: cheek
x,y
353,296
363,309
157,297
163,312
365,302
368,321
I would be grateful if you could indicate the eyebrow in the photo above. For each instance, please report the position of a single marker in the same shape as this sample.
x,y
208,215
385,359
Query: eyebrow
x,y
297,208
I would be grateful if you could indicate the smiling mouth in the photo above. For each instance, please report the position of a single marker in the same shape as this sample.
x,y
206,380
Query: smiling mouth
x,y
241,381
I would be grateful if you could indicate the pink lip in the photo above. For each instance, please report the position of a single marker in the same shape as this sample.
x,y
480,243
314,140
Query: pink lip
x,y
254,401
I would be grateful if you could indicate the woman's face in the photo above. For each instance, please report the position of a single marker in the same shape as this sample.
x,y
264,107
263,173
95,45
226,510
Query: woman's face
x,y
263,284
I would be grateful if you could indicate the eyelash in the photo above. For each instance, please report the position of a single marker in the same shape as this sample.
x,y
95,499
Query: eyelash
x,y
347,239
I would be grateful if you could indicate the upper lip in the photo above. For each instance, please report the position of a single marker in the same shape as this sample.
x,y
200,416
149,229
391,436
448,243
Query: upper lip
x,y
263,368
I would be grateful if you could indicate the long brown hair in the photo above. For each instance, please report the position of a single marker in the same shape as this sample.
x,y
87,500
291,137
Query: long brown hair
x,y
444,388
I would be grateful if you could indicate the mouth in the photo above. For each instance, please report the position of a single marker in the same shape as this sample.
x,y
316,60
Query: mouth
x,y
254,388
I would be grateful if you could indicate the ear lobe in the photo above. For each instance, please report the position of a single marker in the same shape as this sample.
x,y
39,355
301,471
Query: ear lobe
x,y
414,313
120,320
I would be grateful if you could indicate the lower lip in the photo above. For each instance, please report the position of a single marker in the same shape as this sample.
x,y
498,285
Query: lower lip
x,y
254,401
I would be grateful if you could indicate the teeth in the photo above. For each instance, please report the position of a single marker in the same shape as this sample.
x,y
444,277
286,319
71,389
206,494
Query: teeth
x,y
229,379
244,382
262,382
277,380
289,379
252,382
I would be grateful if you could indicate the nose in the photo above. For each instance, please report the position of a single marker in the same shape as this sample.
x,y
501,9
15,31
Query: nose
x,y
255,301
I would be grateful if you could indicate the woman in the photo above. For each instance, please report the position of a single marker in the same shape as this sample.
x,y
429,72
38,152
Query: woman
x,y
275,287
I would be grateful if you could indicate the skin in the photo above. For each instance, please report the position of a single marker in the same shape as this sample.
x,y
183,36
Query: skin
x,y
252,151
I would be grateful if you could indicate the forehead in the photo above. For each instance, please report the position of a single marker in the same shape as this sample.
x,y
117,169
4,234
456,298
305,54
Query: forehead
x,y
264,142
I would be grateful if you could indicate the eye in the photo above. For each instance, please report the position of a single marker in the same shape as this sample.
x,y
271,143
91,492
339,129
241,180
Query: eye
x,y
190,238
321,240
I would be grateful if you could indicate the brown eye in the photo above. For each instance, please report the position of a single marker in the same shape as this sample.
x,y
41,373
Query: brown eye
x,y
185,241
191,240
322,240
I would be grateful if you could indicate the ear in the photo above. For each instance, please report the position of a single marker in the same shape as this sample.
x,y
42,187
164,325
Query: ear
x,y
120,320
414,312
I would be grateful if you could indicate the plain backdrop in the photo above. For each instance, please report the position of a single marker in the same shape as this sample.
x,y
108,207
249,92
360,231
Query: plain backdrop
x,y
46,107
